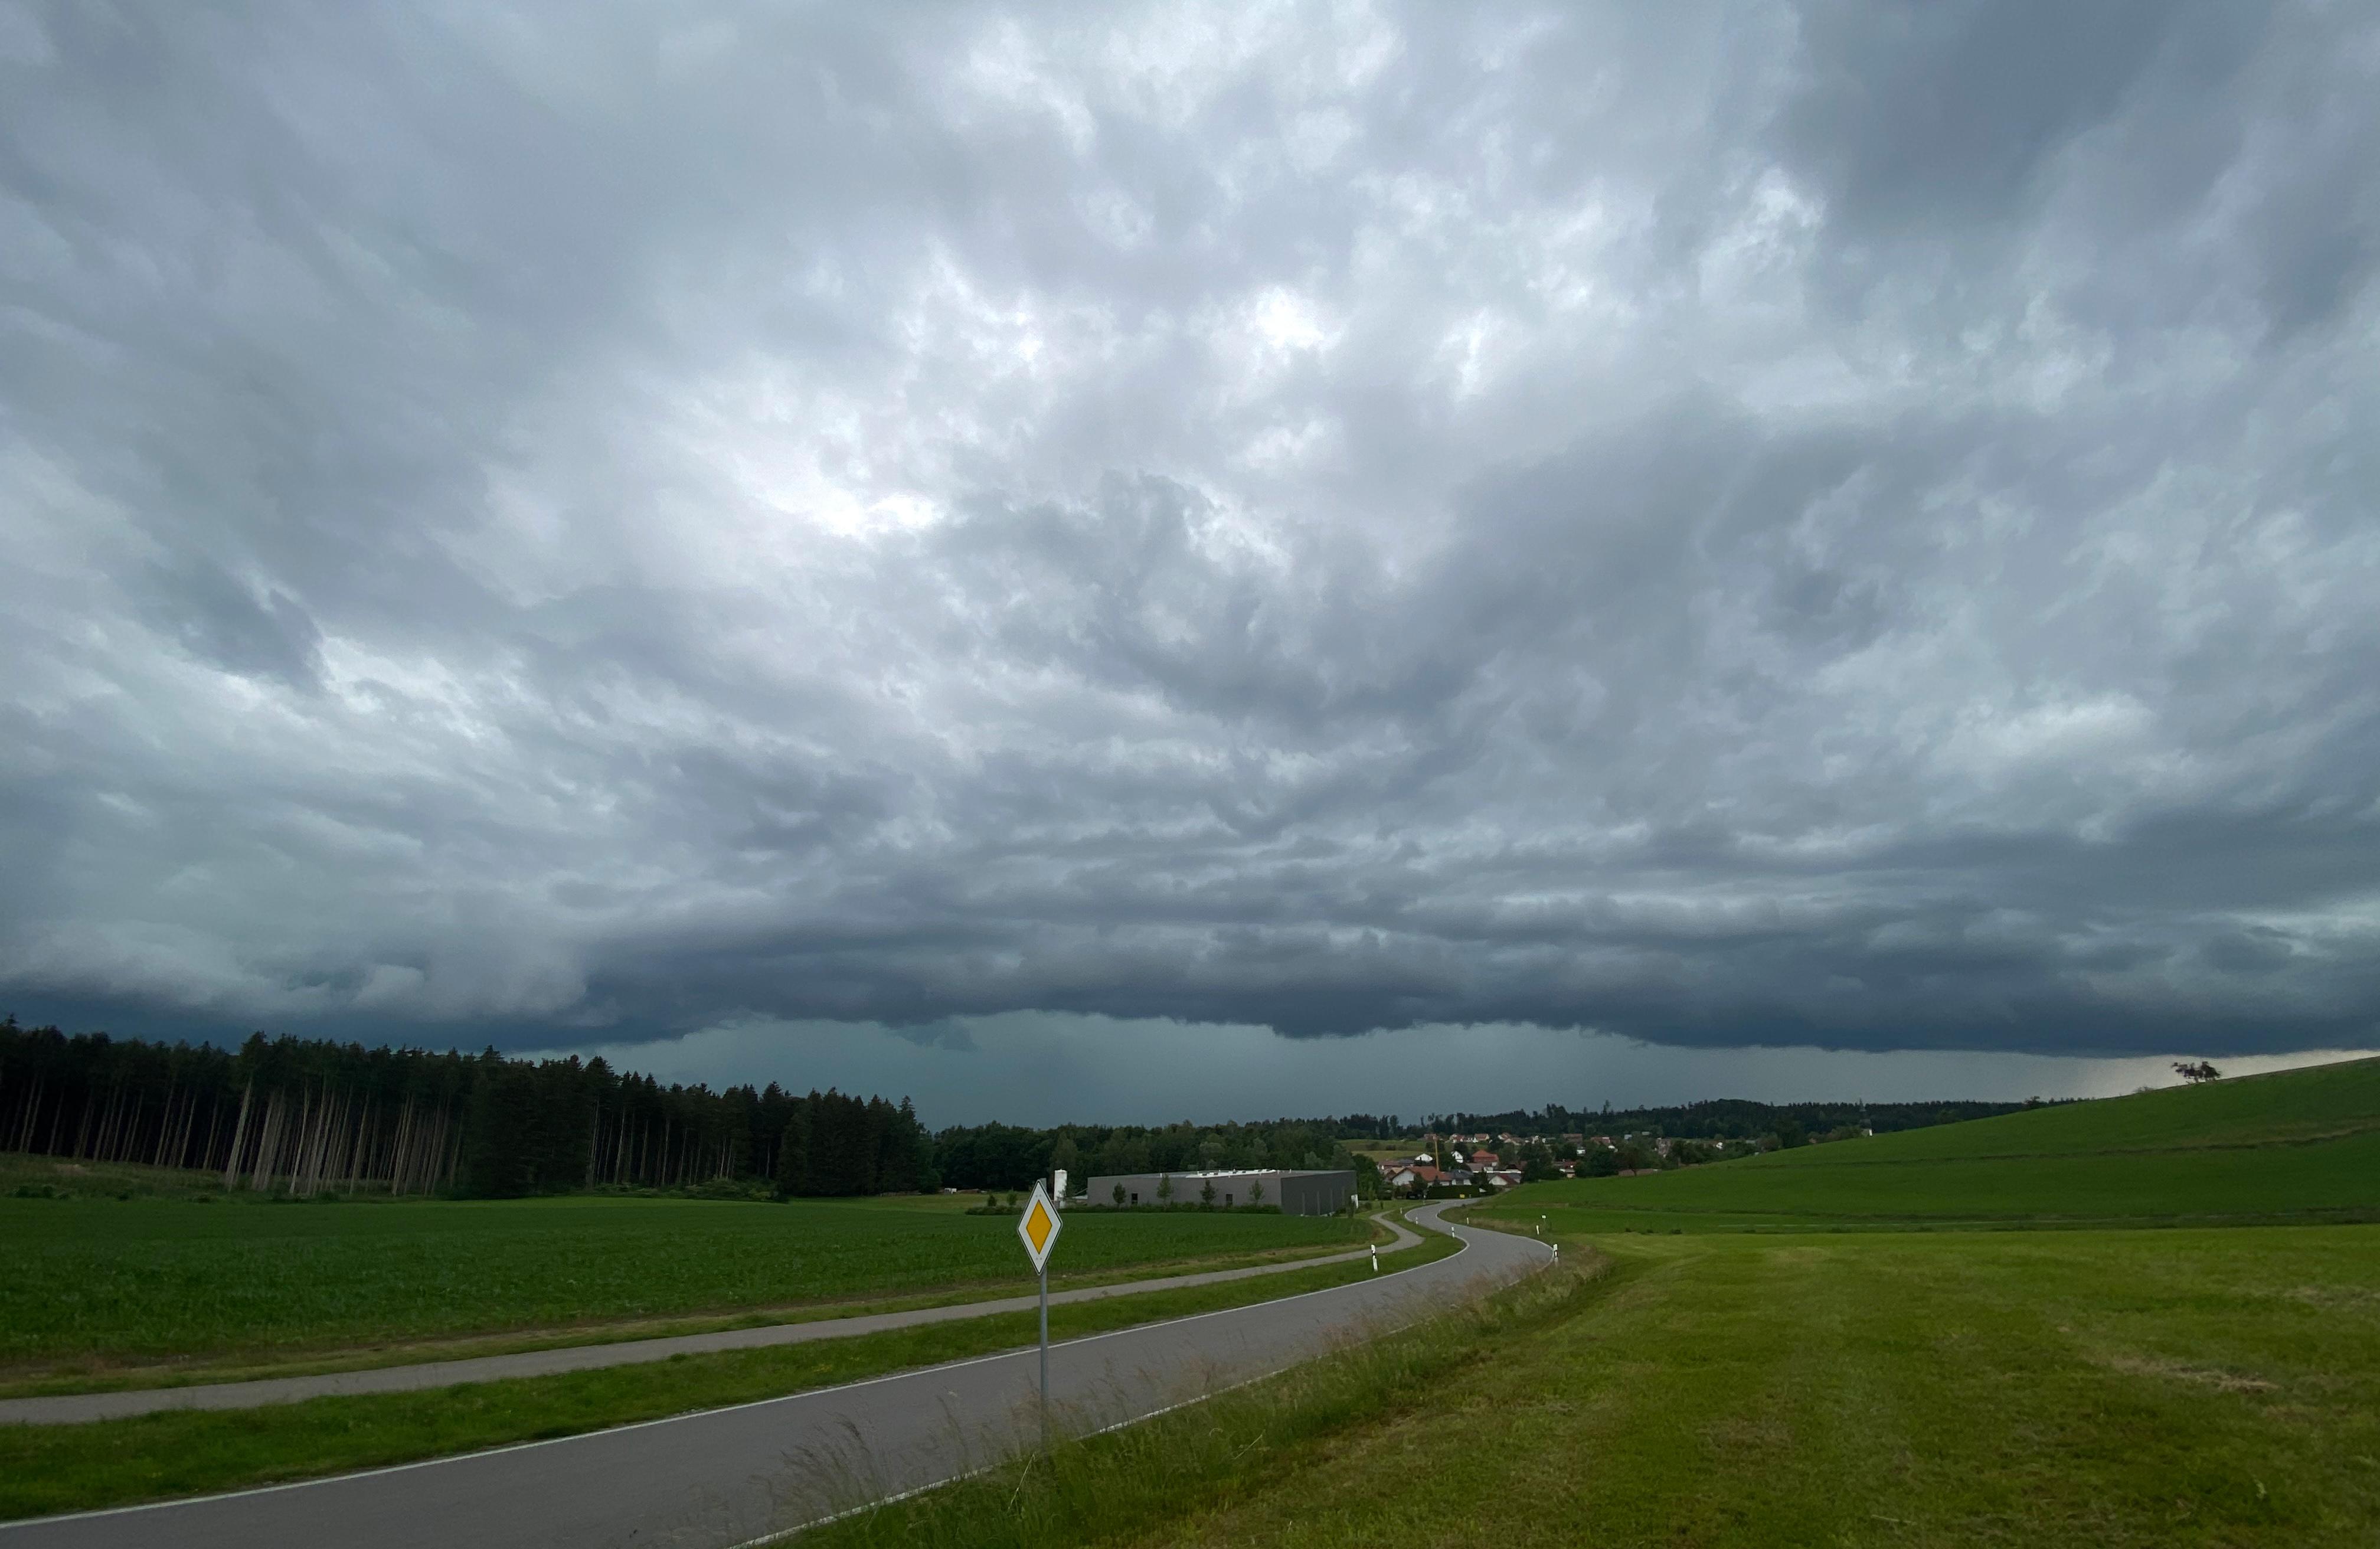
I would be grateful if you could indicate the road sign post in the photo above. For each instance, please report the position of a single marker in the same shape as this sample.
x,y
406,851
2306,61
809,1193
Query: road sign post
x,y
1044,1362
1038,1228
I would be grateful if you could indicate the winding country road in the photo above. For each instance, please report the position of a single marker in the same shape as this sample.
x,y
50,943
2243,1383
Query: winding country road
x,y
726,1477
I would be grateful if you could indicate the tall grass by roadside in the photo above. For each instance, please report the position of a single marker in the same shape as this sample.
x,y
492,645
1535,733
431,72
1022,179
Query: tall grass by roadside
x,y
1122,1480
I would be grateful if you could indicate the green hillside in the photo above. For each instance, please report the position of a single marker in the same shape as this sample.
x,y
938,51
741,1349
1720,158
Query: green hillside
x,y
1842,1345
2297,1145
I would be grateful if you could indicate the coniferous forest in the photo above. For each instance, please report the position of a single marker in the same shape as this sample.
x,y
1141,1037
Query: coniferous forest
x,y
296,1116
302,1117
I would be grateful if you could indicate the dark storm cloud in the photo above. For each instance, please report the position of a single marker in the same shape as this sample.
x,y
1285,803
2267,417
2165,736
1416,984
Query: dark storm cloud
x,y
1846,526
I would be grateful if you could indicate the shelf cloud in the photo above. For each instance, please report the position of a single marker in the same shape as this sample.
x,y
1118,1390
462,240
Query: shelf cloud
x,y
1833,525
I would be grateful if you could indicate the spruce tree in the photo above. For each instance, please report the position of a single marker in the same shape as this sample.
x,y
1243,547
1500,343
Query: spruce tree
x,y
794,1153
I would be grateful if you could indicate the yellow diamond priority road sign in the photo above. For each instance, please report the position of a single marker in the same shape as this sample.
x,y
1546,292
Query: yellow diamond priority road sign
x,y
1038,1227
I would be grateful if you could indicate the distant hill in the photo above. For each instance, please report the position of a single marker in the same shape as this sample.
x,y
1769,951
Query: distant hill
x,y
2299,1145
1723,1118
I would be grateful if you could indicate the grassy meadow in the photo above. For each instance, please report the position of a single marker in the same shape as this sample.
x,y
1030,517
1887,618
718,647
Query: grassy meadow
x,y
1912,1340
99,1283
2298,1146
73,1467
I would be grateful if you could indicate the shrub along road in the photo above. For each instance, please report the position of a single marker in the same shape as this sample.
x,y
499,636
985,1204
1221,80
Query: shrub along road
x,y
728,1476
74,1409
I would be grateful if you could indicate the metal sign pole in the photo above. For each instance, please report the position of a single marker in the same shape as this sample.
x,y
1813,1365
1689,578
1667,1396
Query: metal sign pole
x,y
1038,1228
1045,1358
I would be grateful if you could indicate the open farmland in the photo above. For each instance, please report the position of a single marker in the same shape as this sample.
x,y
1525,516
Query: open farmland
x,y
46,1469
2296,1146
1721,1363
106,1281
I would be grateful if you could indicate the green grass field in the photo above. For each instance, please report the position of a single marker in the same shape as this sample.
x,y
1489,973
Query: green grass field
x,y
96,1283
2296,1146
72,1467
2146,1322
1708,1369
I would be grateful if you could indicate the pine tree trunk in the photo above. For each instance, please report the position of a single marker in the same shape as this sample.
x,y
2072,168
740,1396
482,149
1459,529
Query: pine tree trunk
x,y
32,1114
165,1130
359,1158
260,1156
238,1134
294,1142
268,1140
396,1166
318,1163
318,1141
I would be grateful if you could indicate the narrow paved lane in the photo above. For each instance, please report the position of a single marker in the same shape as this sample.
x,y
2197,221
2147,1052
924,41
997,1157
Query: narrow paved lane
x,y
728,1476
79,1408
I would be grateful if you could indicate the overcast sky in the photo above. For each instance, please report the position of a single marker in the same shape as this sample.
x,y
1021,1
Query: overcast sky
x,y
850,538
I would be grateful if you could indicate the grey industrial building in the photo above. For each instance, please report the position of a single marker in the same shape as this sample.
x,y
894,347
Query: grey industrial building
x,y
1296,1190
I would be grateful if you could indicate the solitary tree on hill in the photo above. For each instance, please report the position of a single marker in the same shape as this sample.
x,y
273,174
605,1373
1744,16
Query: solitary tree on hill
x,y
2194,1074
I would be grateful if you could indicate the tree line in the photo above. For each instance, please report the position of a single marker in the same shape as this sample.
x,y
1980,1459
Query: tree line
x,y
1008,1156
306,1116
1720,1118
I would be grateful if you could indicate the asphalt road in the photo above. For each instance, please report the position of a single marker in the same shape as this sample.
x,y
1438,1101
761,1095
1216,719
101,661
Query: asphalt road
x,y
725,1477
80,1408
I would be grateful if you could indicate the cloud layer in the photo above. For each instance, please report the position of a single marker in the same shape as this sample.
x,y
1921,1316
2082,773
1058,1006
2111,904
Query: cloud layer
x,y
1845,525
